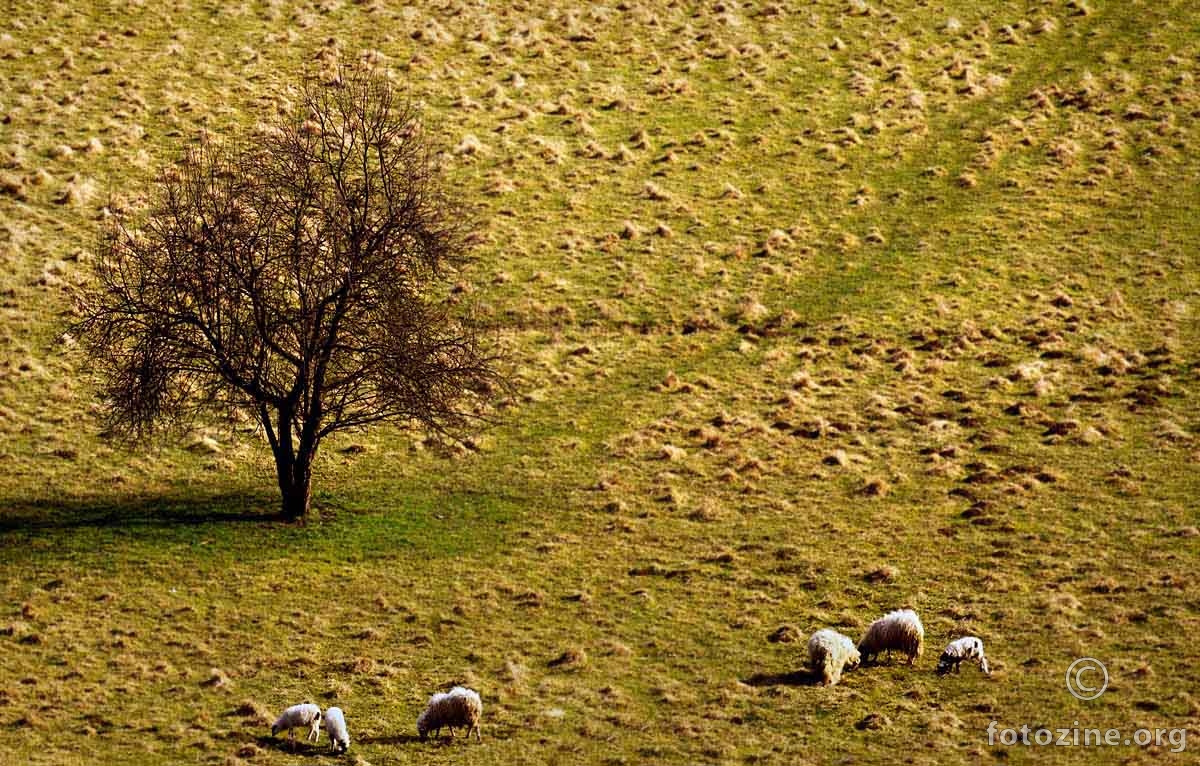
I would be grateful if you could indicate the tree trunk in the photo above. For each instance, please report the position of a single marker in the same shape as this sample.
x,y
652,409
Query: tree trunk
x,y
297,499
295,485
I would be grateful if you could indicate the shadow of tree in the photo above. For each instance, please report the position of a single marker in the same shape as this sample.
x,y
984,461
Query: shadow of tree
x,y
794,678
138,511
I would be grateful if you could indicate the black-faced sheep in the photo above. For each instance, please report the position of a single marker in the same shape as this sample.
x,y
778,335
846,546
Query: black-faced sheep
x,y
967,648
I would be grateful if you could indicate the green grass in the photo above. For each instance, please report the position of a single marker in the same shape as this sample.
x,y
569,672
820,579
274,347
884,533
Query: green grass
x,y
971,359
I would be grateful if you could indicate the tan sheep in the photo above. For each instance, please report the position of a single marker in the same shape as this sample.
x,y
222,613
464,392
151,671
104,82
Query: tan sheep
x,y
829,652
457,707
898,631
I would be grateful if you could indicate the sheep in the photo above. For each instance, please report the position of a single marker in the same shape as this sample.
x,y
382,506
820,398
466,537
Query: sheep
x,y
828,653
457,707
305,714
335,725
960,650
899,631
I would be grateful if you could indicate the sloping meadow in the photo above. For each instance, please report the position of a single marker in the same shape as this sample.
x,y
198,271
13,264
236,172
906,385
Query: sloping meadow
x,y
816,310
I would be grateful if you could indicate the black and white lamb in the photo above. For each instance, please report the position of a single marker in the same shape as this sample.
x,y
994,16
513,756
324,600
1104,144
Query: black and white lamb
x,y
960,650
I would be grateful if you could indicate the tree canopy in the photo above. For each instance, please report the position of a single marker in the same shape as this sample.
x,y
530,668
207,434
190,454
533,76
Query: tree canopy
x,y
297,277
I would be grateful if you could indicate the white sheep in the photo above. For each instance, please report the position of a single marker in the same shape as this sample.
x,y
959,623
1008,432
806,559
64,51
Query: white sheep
x,y
959,651
335,725
828,653
457,707
297,716
899,631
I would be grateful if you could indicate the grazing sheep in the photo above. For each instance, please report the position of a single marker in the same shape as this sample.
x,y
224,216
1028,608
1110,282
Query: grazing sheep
x,y
306,714
899,631
335,725
960,650
828,653
457,707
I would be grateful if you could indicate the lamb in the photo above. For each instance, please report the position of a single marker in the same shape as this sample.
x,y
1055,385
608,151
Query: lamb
x,y
959,651
828,653
899,631
457,707
305,714
335,725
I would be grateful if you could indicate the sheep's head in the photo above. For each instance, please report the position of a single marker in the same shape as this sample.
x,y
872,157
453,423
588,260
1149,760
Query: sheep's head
x,y
944,665
853,660
422,732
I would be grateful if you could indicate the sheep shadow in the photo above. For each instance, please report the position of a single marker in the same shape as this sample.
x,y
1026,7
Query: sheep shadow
x,y
302,749
391,739
794,678
886,662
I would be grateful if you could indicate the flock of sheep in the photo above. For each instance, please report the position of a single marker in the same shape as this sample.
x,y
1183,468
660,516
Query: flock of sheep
x,y
829,652
459,707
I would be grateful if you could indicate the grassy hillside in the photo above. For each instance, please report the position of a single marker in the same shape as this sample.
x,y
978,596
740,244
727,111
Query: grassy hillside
x,y
818,310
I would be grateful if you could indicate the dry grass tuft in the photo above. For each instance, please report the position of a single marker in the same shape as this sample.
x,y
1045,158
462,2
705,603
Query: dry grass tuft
x,y
786,634
873,722
883,574
470,146
572,659
217,679
729,191
258,714
875,488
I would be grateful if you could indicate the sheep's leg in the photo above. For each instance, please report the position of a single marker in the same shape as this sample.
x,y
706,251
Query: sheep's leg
x,y
478,736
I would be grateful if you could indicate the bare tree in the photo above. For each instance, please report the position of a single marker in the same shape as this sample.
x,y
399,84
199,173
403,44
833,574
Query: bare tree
x,y
297,278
